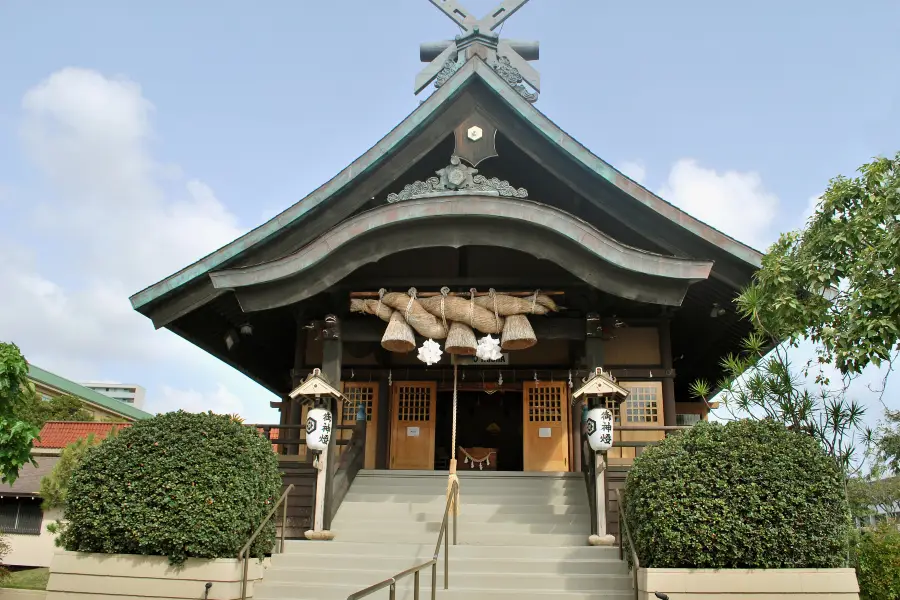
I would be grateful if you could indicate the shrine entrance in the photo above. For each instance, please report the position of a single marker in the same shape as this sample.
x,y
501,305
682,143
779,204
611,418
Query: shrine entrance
x,y
489,431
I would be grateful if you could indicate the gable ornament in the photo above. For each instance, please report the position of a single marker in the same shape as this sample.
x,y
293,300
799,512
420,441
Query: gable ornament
x,y
459,178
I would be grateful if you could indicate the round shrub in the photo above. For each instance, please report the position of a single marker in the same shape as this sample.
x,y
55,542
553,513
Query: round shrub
x,y
179,485
749,494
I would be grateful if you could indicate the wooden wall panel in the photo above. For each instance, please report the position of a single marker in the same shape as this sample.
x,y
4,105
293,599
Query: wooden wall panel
x,y
302,498
632,346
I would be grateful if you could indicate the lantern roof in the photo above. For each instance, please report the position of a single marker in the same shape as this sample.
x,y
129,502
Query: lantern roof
x,y
315,385
601,384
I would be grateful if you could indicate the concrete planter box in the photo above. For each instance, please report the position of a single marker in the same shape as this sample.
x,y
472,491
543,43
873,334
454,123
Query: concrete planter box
x,y
749,584
13,594
126,576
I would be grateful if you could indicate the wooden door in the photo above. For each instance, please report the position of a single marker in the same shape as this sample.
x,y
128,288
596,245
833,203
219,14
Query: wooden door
x,y
412,425
363,400
546,426
642,408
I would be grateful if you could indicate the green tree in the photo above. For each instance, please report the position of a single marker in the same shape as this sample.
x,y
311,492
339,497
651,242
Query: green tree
x,y
16,436
763,384
55,485
888,440
874,495
835,282
60,408
4,550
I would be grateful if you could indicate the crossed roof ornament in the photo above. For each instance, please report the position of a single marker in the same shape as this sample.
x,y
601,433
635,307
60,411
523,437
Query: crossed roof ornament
x,y
479,30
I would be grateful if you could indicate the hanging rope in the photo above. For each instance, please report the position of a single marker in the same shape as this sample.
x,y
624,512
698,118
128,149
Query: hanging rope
x,y
381,294
493,296
412,298
453,429
472,308
453,478
444,291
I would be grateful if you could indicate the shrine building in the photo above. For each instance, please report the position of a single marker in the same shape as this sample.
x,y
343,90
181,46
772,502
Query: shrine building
x,y
476,238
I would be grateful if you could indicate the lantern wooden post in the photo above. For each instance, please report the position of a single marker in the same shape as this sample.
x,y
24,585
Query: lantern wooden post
x,y
599,430
321,422
331,366
600,492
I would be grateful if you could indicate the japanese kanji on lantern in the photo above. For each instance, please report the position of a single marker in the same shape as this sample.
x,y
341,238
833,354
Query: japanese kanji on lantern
x,y
318,429
600,429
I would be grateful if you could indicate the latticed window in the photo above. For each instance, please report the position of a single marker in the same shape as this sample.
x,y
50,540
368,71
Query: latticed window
x,y
613,405
21,515
362,398
413,403
642,405
545,404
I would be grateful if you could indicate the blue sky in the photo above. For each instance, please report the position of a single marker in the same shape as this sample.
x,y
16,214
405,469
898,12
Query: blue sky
x,y
136,137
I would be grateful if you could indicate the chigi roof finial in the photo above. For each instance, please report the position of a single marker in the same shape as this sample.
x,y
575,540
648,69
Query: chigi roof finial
x,y
508,58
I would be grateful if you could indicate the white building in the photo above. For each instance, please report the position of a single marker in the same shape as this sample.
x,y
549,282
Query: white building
x,y
124,392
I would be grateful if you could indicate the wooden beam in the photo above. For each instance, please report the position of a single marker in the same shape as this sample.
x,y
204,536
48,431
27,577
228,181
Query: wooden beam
x,y
668,384
465,294
371,328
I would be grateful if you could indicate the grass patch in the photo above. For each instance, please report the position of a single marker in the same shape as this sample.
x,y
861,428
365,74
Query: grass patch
x,y
27,579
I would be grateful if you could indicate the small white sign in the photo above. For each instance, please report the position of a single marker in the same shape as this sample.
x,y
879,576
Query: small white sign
x,y
474,360
544,432
412,432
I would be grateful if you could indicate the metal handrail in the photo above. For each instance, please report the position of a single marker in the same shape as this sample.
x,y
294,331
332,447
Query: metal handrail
x,y
636,563
244,553
443,535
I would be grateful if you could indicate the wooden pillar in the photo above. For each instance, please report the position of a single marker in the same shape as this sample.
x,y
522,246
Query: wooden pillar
x,y
668,383
331,368
600,492
384,423
593,352
294,408
593,358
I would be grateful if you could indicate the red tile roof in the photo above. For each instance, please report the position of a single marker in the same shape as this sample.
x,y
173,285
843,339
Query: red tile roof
x,y
59,434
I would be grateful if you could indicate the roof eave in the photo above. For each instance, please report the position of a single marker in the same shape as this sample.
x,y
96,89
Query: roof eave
x,y
419,117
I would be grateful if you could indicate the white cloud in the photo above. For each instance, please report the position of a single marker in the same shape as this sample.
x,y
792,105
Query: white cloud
x,y
221,401
635,170
117,220
735,202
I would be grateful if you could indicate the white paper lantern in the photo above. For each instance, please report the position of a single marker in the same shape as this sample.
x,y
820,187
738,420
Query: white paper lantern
x,y
318,429
600,429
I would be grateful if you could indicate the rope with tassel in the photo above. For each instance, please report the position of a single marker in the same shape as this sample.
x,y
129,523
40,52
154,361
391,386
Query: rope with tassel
x,y
453,478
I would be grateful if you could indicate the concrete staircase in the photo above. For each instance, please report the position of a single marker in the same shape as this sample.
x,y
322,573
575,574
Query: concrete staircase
x,y
521,536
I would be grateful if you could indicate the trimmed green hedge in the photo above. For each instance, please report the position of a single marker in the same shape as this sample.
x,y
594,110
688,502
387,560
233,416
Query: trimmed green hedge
x,y
748,494
179,485
876,557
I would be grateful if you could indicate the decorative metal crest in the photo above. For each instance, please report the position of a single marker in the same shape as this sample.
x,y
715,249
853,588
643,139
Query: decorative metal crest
x,y
451,66
511,75
457,177
446,57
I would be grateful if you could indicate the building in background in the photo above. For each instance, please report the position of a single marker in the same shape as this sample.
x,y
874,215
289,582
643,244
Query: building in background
x,y
22,518
128,393
49,385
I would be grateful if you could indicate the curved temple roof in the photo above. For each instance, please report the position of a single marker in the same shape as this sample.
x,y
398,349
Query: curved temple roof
x,y
474,68
534,228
